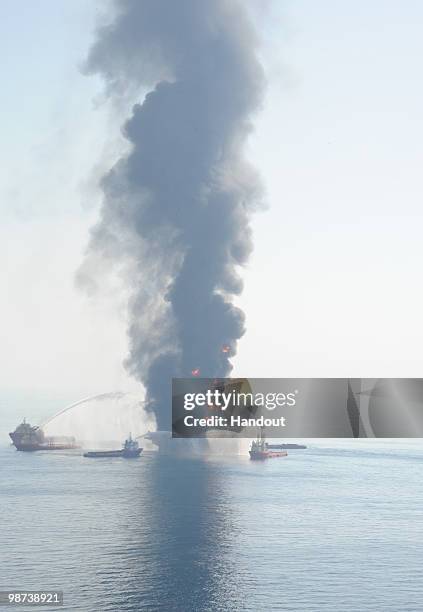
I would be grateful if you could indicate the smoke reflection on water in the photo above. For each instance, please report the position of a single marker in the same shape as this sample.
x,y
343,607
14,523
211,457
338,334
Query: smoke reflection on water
x,y
180,521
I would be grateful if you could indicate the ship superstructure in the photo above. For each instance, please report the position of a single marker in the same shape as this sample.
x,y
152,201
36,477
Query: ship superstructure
x,y
32,438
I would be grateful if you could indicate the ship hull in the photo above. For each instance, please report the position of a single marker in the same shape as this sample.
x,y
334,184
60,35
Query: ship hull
x,y
127,454
40,447
32,446
286,445
263,455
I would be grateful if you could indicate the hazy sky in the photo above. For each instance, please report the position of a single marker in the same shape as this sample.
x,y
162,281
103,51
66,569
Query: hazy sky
x,y
333,288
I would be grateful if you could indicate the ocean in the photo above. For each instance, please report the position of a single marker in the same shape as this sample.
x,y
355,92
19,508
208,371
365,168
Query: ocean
x,y
335,528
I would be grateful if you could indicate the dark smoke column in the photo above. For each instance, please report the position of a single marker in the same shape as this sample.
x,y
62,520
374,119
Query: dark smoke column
x,y
178,204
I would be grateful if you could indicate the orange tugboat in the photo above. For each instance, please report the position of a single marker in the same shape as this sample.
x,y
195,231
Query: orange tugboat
x,y
260,450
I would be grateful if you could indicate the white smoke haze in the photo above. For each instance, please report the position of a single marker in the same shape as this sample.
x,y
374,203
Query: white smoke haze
x,y
105,421
177,206
163,442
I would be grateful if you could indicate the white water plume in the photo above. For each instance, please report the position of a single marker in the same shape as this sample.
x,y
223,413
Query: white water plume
x,y
101,420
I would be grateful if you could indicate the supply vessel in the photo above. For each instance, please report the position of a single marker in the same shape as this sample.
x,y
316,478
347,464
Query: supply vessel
x,y
29,438
259,449
130,449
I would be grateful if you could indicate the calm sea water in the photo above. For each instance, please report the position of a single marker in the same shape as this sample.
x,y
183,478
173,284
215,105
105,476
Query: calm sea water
x,y
336,529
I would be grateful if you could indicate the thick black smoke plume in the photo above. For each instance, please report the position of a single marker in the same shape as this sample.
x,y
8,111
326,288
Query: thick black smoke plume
x,y
179,202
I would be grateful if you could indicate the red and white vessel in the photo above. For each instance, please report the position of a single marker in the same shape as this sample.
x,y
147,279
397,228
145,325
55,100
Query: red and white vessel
x,y
260,450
